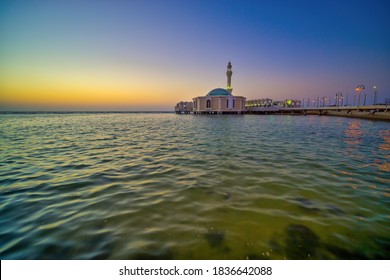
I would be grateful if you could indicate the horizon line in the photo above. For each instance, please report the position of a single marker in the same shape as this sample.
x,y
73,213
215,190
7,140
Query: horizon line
x,y
82,111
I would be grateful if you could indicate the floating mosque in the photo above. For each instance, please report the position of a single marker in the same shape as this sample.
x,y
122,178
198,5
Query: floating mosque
x,y
217,101
221,101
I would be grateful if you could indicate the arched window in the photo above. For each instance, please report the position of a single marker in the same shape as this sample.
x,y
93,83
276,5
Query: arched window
x,y
227,103
208,104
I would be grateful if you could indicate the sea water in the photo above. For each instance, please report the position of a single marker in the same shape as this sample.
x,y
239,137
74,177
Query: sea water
x,y
166,186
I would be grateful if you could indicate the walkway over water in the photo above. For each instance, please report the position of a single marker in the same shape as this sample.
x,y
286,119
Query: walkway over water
x,y
379,112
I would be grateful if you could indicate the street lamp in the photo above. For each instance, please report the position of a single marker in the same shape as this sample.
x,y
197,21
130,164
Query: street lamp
x,y
323,101
375,95
339,97
359,90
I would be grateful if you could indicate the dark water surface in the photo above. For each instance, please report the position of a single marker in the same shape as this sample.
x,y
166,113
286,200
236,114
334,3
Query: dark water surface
x,y
166,186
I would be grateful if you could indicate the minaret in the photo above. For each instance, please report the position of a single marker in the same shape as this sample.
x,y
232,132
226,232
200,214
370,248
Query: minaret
x,y
229,74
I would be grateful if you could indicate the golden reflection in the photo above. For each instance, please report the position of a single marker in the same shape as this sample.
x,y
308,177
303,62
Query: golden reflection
x,y
346,172
384,146
353,133
383,166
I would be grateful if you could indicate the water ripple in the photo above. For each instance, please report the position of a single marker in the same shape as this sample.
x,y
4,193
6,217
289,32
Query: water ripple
x,y
163,186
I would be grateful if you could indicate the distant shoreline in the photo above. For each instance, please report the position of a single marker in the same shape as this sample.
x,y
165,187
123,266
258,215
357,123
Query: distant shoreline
x,y
310,111
83,112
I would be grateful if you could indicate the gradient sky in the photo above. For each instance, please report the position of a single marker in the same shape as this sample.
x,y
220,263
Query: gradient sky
x,y
149,55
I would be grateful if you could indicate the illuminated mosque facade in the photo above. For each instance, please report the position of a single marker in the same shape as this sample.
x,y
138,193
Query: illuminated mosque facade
x,y
220,100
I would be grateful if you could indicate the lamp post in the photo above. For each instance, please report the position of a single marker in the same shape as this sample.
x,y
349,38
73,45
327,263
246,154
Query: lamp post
x,y
339,97
323,101
375,95
359,90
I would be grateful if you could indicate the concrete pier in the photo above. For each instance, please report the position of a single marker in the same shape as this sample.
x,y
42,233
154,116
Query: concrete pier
x,y
374,112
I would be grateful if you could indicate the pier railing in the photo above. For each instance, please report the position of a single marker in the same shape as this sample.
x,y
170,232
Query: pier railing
x,y
381,112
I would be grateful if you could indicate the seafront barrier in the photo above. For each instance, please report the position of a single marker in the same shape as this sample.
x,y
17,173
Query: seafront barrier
x,y
374,112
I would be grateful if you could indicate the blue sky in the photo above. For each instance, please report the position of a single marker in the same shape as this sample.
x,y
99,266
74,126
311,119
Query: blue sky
x,y
151,54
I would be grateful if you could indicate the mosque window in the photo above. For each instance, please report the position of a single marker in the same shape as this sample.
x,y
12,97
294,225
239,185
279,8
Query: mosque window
x,y
227,103
208,104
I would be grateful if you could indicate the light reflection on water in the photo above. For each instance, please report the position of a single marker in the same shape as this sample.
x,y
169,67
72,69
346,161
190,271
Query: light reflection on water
x,y
385,149
164,186
354,133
